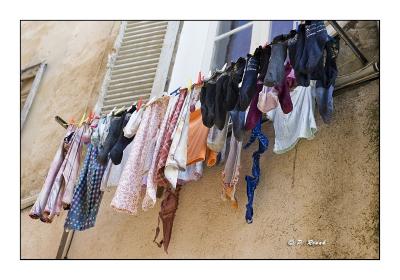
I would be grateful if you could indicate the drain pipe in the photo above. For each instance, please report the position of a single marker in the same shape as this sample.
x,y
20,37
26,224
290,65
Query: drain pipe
x,y
368,72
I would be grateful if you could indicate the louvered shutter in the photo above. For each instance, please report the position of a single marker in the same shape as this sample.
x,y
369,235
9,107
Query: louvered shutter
x,y
134,69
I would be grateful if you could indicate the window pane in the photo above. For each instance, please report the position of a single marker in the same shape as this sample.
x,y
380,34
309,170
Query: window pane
x,y
232,47
279,27
228,25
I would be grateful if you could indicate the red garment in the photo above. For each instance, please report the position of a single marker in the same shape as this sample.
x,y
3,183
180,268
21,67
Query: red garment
x,y
284,88
159,176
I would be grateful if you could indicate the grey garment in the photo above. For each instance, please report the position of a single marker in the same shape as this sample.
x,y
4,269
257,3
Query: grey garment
x,y
100,133
216,138
276,67
232,164
238,123
230,175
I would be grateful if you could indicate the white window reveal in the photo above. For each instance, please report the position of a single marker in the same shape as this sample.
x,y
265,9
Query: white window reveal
x,y
138,67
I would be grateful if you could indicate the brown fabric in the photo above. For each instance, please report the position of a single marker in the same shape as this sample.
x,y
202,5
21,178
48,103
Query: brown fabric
x,y
169,205
211,157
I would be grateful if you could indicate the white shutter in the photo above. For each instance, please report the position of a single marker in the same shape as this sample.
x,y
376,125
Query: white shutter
x,y
132,70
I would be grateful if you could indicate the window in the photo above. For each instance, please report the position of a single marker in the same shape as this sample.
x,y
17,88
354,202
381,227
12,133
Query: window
x,y
228,40
232,41
30,81
279,27
138,67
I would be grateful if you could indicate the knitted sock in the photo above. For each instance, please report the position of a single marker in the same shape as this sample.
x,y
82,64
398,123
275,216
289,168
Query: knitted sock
x,y
238,121
324,98
316,38
264,62
284,90
116,126
325,86
254,114
276,69
117,151
220,108
296,48
247,90
210,104
292,43
235,77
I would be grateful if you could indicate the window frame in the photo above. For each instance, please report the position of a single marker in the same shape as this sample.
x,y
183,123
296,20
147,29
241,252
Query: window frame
x,y
33,90
259,36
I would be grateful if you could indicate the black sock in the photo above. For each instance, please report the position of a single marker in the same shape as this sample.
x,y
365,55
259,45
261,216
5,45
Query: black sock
x,y
116,126
116,152
235,77
264,61
316,38
220,108
247,90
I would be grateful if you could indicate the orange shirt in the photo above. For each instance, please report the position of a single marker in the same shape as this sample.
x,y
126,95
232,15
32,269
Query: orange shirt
x,y
197,141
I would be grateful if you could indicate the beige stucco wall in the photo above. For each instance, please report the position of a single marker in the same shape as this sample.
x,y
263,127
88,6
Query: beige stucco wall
x,y
76,54
326,189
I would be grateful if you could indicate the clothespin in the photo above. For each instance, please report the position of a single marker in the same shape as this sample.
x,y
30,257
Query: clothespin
x,y
189,87
71,121
224,67
90,117
139,104
82,119
198,78
175,92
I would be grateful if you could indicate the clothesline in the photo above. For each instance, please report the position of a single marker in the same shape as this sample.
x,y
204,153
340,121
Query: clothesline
x,y
165,143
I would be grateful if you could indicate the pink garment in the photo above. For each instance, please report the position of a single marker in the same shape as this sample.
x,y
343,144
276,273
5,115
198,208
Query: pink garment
x,y
149,199
254,113
64,184
230,175
268,99
72,163
126,198
40,204
166,143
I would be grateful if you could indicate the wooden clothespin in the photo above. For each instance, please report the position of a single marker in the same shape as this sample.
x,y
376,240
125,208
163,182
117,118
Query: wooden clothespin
x,y
139,104
189,87
199,79
82,119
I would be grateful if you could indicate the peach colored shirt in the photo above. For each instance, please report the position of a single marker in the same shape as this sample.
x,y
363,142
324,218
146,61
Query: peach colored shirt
x,y
197,143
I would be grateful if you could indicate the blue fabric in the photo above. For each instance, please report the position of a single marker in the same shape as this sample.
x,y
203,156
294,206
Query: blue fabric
x,y
252,181
87,195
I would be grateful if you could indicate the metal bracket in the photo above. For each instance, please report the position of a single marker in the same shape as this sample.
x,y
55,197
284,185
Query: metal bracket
x,y
349,42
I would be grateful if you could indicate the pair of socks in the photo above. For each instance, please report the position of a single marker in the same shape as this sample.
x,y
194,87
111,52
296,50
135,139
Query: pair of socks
x,y
276,69
238,122
117,150
247,90
264,62
325,86
235,77
312,40
220,107
296,47
207,99
114,132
